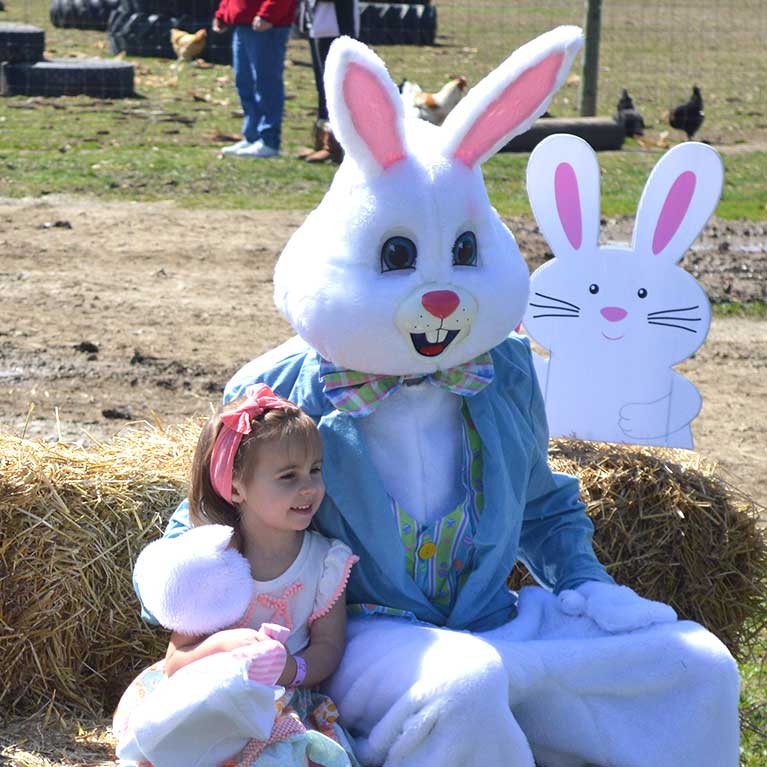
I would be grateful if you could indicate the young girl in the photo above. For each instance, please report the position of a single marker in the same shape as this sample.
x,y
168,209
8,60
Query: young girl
x,y
256,484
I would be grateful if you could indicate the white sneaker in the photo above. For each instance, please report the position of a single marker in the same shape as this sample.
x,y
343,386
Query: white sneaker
x,y
258,149
234,148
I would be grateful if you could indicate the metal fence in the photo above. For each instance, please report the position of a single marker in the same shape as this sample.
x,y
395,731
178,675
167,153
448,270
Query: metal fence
x,y
656,49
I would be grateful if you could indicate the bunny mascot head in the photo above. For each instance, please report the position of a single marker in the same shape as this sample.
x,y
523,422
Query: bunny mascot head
x,y
404,286
405,267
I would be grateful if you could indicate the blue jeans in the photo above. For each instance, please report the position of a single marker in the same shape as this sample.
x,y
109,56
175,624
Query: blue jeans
x,y
259,61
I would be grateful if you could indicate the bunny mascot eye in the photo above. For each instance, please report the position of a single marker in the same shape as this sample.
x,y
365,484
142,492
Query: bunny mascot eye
x,y
465,250
398,253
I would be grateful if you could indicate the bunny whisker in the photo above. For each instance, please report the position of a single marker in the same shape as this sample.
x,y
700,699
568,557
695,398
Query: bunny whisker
x,y
668,311
677,319
670,325
535,316
549,306
559,300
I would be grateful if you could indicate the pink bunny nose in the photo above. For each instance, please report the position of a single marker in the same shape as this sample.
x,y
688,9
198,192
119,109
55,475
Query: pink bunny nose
x,y
613,313
440,303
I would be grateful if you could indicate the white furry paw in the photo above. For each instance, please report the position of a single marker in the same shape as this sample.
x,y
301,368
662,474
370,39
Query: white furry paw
x,y
194,583
617,608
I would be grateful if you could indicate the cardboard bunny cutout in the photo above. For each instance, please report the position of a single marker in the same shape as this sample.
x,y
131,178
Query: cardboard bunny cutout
x,y
615,319
404,287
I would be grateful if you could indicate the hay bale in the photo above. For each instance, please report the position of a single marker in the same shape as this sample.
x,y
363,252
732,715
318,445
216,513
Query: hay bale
x,y
74,520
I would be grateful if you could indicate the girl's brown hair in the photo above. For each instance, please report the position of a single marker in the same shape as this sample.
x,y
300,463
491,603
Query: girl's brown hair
x,y
290,423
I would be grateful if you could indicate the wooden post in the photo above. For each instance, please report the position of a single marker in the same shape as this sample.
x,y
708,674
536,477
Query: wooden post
x,y
591,58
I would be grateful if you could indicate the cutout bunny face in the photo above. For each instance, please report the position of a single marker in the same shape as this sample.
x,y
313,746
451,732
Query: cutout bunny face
x,y
615,319
405,267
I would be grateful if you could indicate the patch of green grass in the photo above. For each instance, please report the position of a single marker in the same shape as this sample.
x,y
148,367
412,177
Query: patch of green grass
x,y
755,310
753,707
164,144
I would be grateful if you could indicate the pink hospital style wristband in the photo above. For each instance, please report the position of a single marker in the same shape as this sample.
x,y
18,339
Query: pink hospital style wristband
x,y
300,671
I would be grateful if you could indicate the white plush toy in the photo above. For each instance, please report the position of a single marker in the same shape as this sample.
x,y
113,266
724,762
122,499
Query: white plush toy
x,y
616,319
404,287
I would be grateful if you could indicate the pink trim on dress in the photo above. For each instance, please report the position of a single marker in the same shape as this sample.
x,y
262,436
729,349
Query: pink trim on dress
x,y
281,613
353,559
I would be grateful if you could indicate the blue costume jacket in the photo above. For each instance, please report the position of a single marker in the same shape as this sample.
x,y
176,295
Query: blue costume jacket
x,y
530,513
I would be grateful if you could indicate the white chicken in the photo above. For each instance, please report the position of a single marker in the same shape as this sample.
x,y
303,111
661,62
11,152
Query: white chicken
x,y
433,107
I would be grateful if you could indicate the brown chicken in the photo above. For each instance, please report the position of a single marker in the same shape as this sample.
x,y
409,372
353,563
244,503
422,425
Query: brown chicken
x,y
188,45
433,107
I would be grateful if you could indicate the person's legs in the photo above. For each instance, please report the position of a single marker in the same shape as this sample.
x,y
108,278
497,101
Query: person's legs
x,y
242,62
661,696
269,51
420,696
346,12
319,48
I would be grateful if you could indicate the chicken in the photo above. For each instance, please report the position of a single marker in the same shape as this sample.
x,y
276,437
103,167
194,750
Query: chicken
x,y
432,107
188,45
689,116
628,117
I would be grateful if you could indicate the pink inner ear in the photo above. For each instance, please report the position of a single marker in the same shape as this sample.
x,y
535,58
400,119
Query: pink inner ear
x,y
373,115
674,210
568,203
514,105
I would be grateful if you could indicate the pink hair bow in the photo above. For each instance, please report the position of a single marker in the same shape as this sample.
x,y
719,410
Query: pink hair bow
x,y
235,425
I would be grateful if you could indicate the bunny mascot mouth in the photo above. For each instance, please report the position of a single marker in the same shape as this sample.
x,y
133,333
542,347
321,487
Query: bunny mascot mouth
x,y
432,347
434,316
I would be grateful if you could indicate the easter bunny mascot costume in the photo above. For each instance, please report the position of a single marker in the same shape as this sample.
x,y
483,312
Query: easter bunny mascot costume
x,y
404,287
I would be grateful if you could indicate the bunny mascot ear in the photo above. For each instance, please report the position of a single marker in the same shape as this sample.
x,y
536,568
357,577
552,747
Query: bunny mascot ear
x,y
507,101
563,187
365,108
678,199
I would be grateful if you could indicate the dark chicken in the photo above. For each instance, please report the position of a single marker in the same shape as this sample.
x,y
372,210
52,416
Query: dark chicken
x,y
689,116
628,117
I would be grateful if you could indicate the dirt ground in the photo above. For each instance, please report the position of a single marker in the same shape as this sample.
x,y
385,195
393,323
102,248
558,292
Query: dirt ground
x,y
111,312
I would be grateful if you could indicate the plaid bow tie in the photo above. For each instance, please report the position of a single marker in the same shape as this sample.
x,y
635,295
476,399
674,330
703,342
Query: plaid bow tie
x,y
359,394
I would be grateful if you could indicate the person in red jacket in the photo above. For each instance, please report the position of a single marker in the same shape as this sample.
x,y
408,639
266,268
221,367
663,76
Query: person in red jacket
x,y
260,30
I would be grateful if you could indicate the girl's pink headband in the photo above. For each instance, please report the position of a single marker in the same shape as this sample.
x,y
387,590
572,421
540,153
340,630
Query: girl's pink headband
x,y
236,424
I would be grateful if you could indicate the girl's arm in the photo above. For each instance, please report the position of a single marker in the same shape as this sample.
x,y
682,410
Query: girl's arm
x,y
326,647
184,649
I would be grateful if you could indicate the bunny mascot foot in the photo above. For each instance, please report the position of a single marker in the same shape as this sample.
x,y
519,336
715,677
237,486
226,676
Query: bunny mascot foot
x,y
578,693
404,287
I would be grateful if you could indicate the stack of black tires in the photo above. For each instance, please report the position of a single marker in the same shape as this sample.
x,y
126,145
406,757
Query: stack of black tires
x,y
142,28
82,14
398,23
24,72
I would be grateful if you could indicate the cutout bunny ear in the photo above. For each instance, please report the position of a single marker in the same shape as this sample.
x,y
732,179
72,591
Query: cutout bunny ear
x,y
678,199
563,187
507,101
364,106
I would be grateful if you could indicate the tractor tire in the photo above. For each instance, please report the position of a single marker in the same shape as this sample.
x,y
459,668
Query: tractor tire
x,y
398,23
82,14
20,42
69,77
